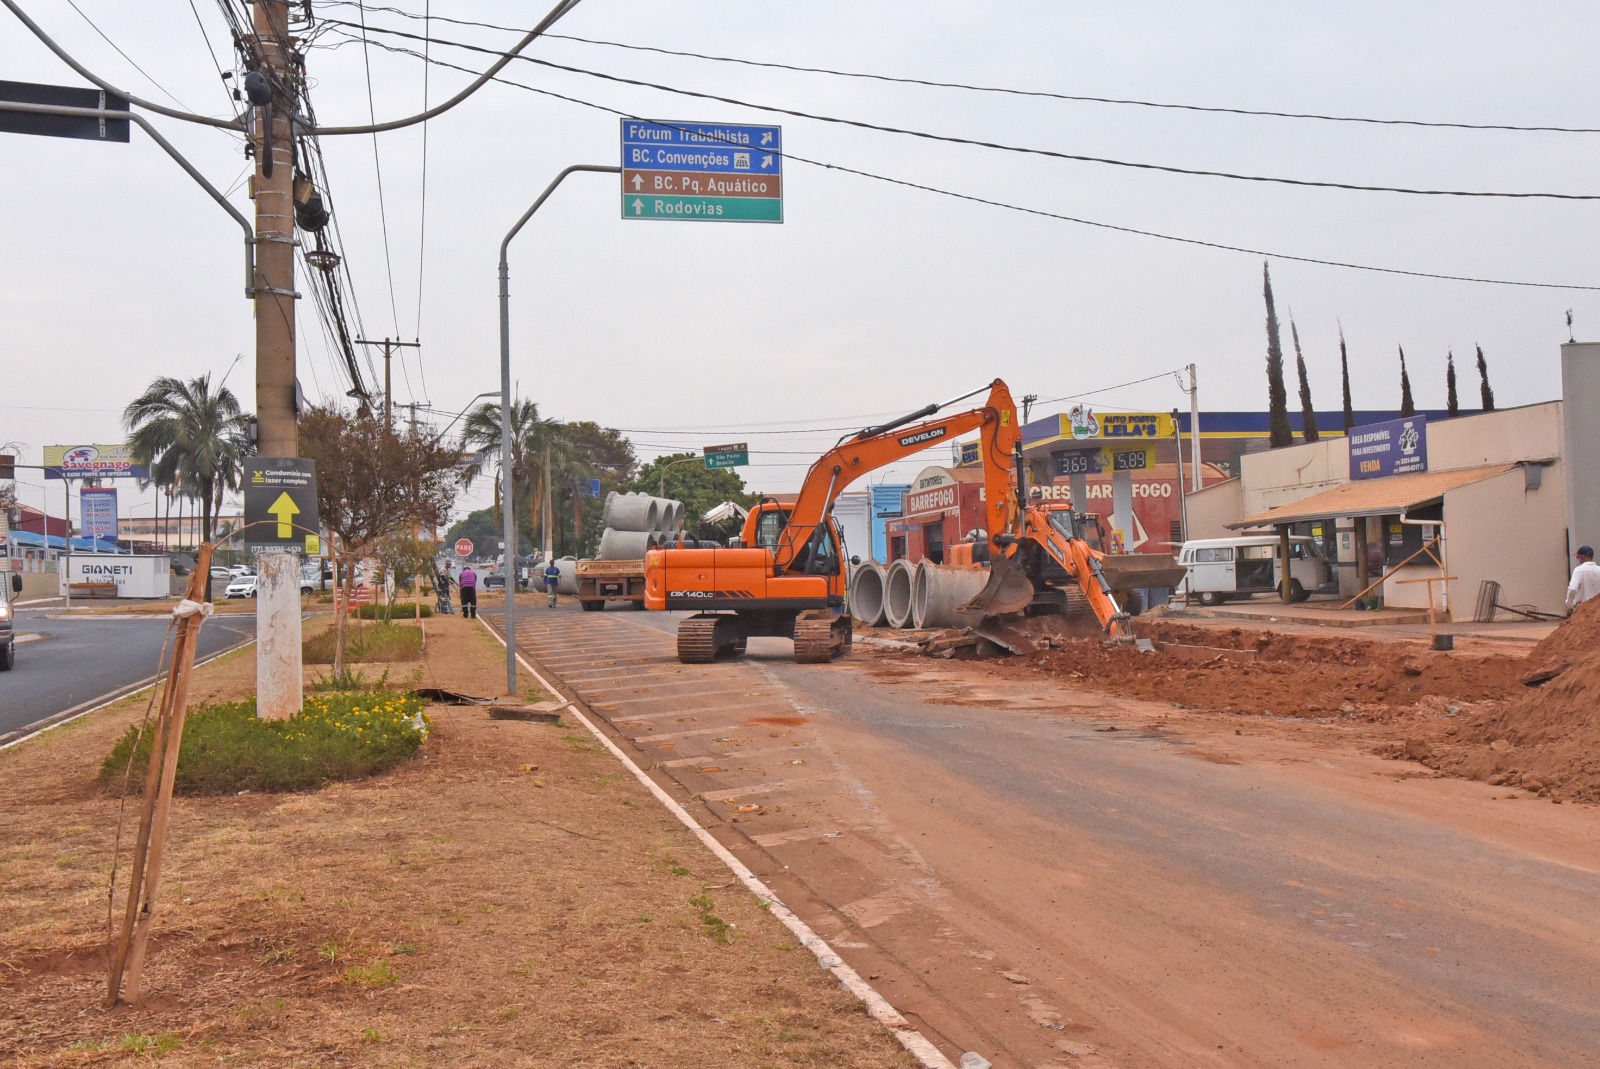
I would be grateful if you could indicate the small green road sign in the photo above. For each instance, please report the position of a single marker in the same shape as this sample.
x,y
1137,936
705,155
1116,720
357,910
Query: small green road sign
x,y
280,505
727,456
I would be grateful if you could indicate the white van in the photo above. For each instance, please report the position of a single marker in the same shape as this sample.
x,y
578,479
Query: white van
x,y
1221,568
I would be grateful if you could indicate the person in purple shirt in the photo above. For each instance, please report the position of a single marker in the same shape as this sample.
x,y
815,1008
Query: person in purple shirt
x,y
467,582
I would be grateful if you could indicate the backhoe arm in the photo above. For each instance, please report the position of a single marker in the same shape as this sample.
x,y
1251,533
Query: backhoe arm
x,y
878,446
1083,564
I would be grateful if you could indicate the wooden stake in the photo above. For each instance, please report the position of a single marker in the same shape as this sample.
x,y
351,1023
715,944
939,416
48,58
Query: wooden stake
x,y
127,961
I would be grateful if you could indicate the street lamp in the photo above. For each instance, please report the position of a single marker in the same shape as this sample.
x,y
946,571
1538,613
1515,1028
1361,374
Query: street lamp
x,y
662,490
505,417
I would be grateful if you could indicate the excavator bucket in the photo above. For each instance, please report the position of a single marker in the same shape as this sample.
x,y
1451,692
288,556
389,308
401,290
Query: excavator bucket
x,y
1009,590
1130,571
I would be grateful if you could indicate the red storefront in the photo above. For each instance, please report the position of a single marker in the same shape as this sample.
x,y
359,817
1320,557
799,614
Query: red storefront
x,y
946,504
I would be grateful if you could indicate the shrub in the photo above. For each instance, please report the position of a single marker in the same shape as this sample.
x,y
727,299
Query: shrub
x,y
227,749
383,642
400,611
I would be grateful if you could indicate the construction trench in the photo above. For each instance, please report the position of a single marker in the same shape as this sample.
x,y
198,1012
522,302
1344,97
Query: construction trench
x,y
1508,713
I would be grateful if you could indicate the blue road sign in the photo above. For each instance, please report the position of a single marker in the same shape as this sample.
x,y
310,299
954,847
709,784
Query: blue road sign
x,y
720,172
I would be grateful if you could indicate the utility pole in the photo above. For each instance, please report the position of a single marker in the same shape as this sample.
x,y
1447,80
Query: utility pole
x,y
388,388
1194,431
271,91
1028,401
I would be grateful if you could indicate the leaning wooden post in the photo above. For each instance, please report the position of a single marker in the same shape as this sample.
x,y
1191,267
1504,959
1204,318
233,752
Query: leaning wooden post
x,y
127,961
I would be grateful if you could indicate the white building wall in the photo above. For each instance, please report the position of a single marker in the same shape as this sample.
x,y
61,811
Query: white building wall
x,y
853,512
1276,477
1500,529
1212,509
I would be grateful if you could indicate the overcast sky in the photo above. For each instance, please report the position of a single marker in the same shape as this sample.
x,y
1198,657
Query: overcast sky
x,y
871,298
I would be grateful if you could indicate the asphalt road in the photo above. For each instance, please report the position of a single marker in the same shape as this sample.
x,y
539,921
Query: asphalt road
x,y
79,659
1039,874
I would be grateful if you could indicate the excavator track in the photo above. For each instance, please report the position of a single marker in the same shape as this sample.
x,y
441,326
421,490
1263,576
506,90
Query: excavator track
x,y
697,639
821,637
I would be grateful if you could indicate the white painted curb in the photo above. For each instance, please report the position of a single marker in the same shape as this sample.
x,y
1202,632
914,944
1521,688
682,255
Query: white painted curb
x,y
877,1006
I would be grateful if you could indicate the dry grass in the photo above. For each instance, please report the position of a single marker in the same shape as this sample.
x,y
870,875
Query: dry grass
x,y
511,898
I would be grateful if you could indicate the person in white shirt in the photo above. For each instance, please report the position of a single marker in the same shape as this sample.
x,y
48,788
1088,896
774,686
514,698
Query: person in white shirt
x,y
1585,579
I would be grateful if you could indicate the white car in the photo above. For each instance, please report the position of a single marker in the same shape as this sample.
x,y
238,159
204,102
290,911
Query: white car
x,y
240,569
242,587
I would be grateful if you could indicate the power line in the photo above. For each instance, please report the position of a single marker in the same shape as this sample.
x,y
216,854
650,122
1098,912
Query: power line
x,y
124,55
1008,91
377,166
950,139
1041,213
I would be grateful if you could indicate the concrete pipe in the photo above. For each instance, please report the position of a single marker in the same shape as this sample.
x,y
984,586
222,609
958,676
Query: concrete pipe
x,y
671,517
866,594
625,545
631,512
897,593
568,583
939,590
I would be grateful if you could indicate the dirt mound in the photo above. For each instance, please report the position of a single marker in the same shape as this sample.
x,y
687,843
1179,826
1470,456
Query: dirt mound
x,y
1576,637
1246,671
1545,739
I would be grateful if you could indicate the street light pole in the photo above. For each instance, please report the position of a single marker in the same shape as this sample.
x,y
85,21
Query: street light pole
x,y
661,491
509,517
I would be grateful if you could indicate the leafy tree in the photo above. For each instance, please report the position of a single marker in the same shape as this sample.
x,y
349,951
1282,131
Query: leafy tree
x,y
698,487
1279,433
1344,377
1408,407
591,452
532,437
1483,377
480,527
1452,402
373,483
1308,413
193,438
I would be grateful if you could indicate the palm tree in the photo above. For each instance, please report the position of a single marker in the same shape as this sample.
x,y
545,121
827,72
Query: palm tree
x,y
532,436
192,437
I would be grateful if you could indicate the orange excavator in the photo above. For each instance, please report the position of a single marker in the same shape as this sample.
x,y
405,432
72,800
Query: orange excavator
x,y
787,576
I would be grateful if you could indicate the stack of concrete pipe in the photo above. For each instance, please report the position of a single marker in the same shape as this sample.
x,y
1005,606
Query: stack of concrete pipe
x,y
636,523
921,595
866,594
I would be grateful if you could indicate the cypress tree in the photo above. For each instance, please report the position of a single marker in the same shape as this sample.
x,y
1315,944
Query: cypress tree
x,y
1483,375
1344,375
1279,433
1451,401
1308,414
1408,407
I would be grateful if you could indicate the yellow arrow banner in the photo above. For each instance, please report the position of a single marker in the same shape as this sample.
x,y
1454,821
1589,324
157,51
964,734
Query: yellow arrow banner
x,y
284,510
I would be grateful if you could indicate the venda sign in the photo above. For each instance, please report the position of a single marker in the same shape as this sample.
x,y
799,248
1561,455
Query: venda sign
x,y
1398,447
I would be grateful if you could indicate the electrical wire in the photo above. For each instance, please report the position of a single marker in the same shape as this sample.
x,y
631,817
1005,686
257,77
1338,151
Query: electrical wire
x,y
148,77
215,62
950,139
377,166
966,87
1059,216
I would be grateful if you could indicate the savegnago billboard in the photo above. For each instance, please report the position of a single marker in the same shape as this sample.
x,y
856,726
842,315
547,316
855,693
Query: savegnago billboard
x,y
92,462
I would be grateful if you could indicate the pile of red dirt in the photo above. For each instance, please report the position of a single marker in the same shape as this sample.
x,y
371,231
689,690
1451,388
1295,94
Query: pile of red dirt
x,y
1545,739
1242,670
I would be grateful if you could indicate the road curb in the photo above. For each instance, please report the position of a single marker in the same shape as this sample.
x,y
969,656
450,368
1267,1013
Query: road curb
x,y
39,727
878,1007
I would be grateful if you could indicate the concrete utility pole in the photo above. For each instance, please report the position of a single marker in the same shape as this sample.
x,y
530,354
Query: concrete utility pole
x,y
278,667
388,387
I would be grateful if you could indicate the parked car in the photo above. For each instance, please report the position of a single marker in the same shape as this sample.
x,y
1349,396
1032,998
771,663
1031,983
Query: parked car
x,y
241,569
243,586
219,572
8,639
1220,569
